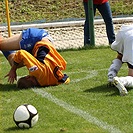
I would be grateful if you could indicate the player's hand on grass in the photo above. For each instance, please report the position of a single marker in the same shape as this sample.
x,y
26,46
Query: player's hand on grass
x,y
12,76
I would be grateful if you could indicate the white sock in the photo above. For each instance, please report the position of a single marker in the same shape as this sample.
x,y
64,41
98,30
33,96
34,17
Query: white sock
x,y
113,69
127,81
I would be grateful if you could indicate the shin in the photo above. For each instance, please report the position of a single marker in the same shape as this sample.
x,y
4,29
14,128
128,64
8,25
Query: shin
x,y
11,43
114,68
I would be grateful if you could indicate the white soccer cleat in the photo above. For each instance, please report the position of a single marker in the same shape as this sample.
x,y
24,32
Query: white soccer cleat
x,y
120,86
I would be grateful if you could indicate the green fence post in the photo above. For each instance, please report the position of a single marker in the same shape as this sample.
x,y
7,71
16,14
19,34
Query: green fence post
x,y
91,22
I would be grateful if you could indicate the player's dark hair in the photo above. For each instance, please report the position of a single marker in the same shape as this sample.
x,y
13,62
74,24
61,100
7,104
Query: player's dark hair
x,y
23,83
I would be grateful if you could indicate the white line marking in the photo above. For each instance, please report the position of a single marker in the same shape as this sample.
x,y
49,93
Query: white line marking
x,y
77,111
90,74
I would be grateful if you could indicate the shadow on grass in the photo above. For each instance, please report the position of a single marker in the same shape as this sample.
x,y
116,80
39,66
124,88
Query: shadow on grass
x,y
8,87
110,90
12,129
11,87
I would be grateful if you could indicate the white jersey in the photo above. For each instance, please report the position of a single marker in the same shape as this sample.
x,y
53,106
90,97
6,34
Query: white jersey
x,y
124,43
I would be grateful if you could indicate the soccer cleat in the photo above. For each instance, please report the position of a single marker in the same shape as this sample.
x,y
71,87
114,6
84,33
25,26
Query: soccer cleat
x,y
67,81
120,86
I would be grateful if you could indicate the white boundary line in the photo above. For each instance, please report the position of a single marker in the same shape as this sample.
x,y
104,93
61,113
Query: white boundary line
x,y
90,74
75,110
79,112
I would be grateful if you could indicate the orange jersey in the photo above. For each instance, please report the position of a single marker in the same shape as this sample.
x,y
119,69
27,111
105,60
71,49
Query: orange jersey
x,y
46,64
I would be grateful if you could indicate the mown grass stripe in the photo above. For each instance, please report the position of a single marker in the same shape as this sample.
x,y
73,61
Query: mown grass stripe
x,y
79,112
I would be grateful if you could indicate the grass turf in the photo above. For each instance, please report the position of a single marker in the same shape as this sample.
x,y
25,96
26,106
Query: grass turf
x,y
87,93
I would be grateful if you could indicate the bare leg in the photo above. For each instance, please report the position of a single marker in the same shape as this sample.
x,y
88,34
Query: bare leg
x,y
11,43
11,60
130,72
119,56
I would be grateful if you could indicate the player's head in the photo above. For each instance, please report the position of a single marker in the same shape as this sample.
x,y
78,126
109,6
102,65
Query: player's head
x,y
27,82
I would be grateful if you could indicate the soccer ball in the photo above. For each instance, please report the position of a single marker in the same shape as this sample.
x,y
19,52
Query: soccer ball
x,y
25,116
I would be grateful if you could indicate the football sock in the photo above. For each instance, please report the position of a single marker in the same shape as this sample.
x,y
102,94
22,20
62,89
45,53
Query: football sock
x,y
114,68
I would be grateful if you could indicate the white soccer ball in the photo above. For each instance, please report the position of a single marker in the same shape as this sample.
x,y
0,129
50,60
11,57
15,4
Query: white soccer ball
x,y
25,116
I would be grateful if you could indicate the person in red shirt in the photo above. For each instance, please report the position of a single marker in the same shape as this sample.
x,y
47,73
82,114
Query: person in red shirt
x,y
103,7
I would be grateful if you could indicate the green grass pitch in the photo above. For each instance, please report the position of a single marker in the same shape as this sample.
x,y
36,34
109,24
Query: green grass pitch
x,y
86,105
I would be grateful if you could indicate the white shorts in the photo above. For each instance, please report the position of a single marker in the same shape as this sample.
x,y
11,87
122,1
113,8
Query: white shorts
x,y
124,43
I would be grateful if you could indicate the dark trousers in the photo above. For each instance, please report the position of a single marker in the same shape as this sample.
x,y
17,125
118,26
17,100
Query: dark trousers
x,y
106,13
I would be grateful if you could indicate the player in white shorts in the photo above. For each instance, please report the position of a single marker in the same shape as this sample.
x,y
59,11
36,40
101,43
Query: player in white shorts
x,y
124,47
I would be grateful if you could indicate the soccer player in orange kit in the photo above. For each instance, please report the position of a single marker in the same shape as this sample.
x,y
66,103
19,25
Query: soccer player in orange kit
x,y
44,63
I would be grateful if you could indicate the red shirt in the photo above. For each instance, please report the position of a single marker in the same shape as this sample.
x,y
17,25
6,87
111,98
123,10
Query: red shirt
x,y
97,1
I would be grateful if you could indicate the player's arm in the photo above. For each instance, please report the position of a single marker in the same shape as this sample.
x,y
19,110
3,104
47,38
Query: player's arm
x,y
12,76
